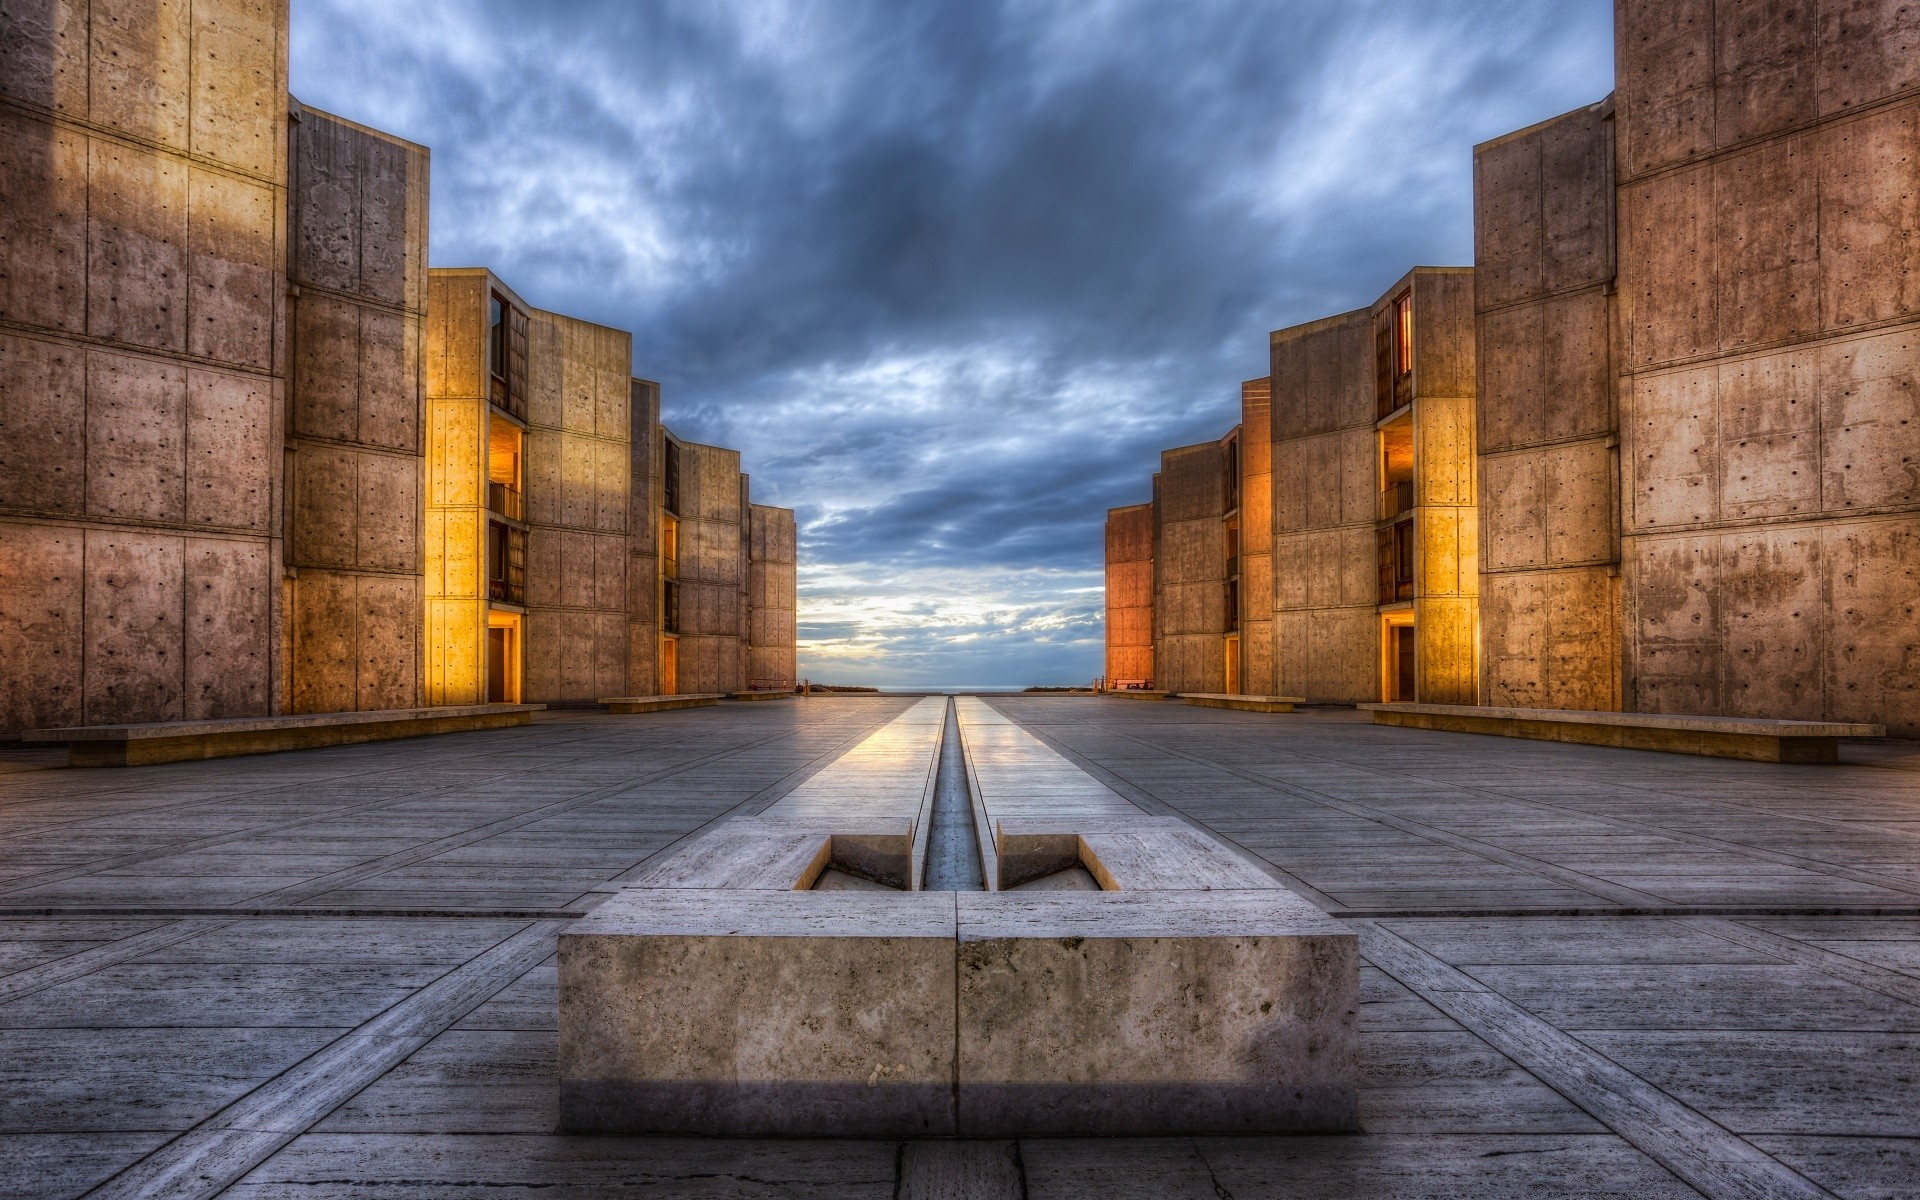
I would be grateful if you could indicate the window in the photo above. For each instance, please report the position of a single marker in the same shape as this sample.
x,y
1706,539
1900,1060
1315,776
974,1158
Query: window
x,y
669,546
669,607
670,474
497,350
1396,563
504,467
1233,473
1403,335
1233,605
506,564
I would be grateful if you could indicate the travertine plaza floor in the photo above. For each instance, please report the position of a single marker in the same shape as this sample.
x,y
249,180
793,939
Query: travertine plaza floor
x,y
1592,971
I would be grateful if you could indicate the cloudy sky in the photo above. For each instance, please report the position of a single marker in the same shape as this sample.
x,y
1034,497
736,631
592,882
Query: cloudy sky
x,y
950,273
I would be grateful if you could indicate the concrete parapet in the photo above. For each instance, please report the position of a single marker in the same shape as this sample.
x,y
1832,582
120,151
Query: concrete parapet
x,y
189,741
1268,704
1751,738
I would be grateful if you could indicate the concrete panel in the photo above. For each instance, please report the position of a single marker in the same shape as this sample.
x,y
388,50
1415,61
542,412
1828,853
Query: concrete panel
x,y
136,246
388,668
1663,54
611,467
1774,609
1868,50
1550,639
323,669
133,635
42,416
230,456
1873,660
1869,417
232,268
228,628
238,101
1668,266
1770,436
389,361
1767,247
1514,523
139,66
387,501
43,221
610,574
136,448
326,507
1675,425
1869,206
1582,497
42,577
1765,63
46,61
326,387
1447,670
1675,619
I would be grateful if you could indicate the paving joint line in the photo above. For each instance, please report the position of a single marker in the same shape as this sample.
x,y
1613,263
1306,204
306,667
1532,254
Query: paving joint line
x,y
1706,1155
219,1150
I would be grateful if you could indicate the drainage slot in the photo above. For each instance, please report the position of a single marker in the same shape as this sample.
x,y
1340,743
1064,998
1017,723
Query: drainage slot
x,y
953,841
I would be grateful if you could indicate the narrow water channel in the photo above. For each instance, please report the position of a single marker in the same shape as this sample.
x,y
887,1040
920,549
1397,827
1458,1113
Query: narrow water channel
x,y
953,841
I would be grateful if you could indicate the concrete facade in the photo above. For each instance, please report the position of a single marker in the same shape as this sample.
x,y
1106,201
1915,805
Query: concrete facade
x,y
251,454
1325,593
710,633
1687,400
1190,568
356,416
1130,596
1698,345
772,622
580,425
1254,603
143,200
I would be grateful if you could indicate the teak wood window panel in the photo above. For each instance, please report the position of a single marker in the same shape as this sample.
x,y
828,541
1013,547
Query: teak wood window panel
x,y
506,563
1396,562
1393,356
670,475
507,356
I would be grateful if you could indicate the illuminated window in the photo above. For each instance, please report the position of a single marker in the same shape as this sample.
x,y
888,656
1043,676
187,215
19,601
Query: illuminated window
x,y
497,336
1403,335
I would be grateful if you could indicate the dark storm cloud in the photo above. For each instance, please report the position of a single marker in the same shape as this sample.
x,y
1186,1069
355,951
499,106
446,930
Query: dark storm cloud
x,y
951,273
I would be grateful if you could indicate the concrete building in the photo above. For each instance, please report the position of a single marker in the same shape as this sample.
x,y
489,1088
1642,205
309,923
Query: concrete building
x,y
1686,404
1130,596
1699,347
253,461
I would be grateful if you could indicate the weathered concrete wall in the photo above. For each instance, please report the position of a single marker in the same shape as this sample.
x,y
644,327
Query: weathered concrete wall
x,y
643,542
1446,515
578,498
1325,630
1548,432
1190,569
1769,285
1258,667
772,597
142,197
713,570
357,264
1130,593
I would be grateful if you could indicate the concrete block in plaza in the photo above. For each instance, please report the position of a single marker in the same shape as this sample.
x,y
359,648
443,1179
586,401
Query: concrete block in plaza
x,y
760,1014
1154,1014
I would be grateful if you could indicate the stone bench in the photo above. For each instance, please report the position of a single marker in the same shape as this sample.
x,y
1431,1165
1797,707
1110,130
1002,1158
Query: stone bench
x,y
1181,992
646,704
1139,693
1268,704
758,695
1753,738
187,741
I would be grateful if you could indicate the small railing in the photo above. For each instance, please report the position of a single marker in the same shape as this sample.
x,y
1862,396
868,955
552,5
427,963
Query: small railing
x,y
504,500
1396,499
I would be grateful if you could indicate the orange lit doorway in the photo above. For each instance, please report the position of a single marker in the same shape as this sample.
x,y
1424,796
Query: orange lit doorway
x,y
503,658
669,666
1233,664
1400,659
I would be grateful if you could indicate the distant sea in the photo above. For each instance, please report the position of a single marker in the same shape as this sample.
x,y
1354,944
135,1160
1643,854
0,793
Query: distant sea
x,y
937,688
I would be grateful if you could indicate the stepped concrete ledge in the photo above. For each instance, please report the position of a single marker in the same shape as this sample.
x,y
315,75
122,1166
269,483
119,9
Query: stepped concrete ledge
x,y
1756,739
759,695
1139,693
187,741
1271,704
744,987
646,704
